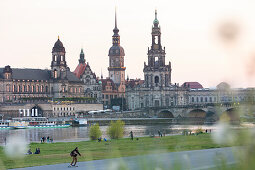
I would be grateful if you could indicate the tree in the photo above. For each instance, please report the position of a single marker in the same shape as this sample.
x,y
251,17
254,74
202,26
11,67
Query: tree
x,y
116,129
95,132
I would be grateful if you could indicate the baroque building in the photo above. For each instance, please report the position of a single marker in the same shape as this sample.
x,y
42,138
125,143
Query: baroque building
x,y
157,90
92,84
58,82
32,92
114,85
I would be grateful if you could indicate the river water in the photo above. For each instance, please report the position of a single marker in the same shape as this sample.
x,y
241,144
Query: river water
x,y
74,134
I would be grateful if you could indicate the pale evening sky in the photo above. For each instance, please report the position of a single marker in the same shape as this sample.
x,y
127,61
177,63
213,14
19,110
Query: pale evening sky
x,y
208,41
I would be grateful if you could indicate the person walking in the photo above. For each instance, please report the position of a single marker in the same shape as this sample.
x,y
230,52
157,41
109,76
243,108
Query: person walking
x,y
74,155
131,135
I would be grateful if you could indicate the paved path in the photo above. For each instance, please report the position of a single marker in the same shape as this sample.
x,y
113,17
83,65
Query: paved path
x,y
193,160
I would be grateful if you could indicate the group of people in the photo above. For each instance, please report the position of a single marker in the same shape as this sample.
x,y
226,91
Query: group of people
x,y
48,139
100,139
37,151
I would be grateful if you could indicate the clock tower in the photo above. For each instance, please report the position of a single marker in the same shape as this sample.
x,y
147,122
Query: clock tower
x,y
116,60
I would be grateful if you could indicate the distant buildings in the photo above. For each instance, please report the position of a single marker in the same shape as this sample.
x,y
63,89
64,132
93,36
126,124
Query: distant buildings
x,y
19,86
157,90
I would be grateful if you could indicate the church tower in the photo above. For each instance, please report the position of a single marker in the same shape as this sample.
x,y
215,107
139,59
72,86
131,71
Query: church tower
x,y
58,63
157,73
116,59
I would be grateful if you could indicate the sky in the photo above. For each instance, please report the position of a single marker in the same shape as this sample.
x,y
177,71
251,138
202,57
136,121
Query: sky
x,y
206,41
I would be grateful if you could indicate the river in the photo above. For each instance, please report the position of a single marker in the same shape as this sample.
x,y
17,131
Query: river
x,y
74,134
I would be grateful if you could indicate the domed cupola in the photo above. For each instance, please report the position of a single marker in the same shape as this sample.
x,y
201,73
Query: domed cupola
x,y
156,22
58,47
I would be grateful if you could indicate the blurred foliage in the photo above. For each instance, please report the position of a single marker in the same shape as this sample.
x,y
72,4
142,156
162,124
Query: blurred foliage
x,y
94,132
116,129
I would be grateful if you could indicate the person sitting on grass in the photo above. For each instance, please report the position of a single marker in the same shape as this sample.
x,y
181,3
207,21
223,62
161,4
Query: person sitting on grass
x,y
74,155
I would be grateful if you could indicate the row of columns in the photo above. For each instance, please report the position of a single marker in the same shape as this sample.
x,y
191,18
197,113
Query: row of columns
x,y
26,112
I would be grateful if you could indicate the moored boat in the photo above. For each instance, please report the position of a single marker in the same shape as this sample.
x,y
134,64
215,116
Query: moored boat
x,y
35,122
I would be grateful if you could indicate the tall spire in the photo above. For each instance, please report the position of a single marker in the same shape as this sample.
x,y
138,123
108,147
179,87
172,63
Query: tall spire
x,y
116,30
115,18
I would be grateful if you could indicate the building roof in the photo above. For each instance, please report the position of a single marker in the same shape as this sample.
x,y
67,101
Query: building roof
x,y
58,46
192,85
134,82
104,84
36,74
79,70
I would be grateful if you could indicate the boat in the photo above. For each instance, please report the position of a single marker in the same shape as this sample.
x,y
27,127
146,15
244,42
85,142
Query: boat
x,y
4,125
35,122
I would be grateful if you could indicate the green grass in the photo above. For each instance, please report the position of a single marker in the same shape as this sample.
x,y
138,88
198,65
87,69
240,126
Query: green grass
x,y
91,150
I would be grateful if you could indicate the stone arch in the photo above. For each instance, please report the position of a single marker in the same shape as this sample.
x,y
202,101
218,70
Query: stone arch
x,y
231,114
197,113
165,114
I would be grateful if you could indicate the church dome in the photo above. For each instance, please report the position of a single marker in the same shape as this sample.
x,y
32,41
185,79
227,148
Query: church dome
x,y
58,47
116,51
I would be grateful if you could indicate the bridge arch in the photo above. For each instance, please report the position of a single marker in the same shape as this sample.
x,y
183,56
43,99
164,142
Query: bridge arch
x,y
165,114
197,113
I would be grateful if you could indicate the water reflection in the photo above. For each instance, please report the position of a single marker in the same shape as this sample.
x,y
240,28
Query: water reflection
x,y
82,133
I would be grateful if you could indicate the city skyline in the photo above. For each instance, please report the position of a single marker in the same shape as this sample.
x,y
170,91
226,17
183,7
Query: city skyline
x,y
205,58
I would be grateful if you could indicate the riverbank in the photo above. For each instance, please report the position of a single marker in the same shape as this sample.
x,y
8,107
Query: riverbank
x,y
54,153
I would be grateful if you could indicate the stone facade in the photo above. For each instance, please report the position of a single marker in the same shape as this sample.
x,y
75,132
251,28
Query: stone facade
x,y
157,90
35,83
92,84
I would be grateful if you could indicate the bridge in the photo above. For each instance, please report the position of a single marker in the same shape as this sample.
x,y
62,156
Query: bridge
x,y
207,112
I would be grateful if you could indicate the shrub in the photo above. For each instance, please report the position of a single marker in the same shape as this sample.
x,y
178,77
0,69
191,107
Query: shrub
x,y
95,132
116,129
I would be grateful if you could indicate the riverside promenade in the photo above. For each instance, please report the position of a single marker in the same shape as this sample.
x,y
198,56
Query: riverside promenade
x,y
192,160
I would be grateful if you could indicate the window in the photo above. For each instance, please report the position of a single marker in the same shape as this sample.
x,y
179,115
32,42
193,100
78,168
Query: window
x,y
106,96
55,74
192,99
103,96
201,99
14,88
210,99
46,89
156,79
205,99
37,89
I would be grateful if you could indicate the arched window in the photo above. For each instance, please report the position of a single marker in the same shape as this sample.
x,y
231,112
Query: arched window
x,y
46,89
19,88
14,88
24,88
8,88
156,79
55,74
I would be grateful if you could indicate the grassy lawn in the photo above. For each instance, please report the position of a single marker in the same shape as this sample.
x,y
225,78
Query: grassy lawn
x,y
54,153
